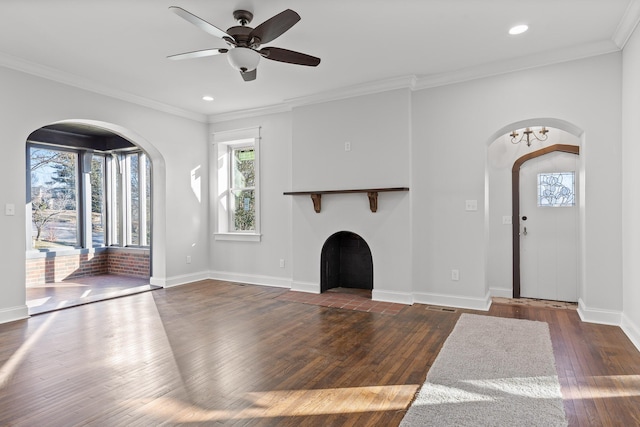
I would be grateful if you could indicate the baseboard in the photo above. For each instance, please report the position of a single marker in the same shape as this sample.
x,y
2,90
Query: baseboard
x,y
252,279
604,317
632,331
390,296
312,288
12,314
482,304
501,292
183,279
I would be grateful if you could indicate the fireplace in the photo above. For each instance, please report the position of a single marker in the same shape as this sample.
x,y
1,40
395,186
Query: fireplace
x,y
346,262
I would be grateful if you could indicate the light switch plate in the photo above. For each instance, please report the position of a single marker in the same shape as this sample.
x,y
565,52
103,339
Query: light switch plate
x,y
9,209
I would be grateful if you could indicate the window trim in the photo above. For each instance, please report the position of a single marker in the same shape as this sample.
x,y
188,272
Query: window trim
x,y
222,145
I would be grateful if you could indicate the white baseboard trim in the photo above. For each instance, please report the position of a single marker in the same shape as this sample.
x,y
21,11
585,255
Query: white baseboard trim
x,y
592,315
11,314
390,296
184,279
312,288
481,304
251,279
501,292
157,281
632,331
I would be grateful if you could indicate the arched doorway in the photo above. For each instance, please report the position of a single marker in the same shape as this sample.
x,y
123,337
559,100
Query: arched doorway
x,y
91,188
346,262
500,219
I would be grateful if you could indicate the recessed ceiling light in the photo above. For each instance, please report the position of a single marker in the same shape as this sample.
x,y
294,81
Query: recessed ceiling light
x,y
207,98
518,29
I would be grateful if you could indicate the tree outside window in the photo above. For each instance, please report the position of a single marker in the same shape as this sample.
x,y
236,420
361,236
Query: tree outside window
x,y
54,197
243,188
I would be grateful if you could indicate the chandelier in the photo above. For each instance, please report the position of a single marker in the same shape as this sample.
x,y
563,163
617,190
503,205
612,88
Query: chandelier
x,y
528,134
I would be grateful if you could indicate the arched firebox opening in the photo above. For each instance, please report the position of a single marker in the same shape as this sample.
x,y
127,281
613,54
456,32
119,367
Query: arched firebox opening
x,y
346,262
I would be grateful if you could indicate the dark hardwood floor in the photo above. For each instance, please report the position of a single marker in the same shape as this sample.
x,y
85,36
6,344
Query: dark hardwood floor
x,y
215,353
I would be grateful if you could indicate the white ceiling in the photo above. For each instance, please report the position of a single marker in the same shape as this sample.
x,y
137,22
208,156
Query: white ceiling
x,y
119,47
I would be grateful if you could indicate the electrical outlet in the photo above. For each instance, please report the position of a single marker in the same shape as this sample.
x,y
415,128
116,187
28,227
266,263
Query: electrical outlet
x,y
455,275
282,263
347,146
188,259
471,205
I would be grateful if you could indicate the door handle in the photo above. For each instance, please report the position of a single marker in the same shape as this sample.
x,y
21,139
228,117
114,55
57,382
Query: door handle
x,y
525,231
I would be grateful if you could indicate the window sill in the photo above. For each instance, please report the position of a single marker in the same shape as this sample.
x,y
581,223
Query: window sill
x,y
238,237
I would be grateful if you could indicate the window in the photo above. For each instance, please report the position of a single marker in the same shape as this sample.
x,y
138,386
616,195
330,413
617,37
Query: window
x,y
129,190
238,194
54,197
556,189
243,191
98,217
82,199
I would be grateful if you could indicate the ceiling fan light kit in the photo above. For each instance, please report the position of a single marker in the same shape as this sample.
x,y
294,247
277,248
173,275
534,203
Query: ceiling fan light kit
x,y
244,42
243,59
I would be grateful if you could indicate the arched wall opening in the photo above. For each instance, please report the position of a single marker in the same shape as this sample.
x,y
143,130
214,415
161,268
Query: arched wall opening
x,y
156,268
501,154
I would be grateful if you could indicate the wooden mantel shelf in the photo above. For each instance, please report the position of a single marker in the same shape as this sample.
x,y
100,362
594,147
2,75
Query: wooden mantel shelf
x,y
372,193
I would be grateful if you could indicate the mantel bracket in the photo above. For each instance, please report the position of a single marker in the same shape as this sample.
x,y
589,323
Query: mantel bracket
x,y
317,201
373,200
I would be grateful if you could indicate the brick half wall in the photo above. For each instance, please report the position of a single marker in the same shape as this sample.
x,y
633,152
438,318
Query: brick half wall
x,y
50,267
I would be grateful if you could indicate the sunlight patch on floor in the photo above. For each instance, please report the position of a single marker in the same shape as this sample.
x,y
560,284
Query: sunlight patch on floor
x,y
603,387
286,403
13,363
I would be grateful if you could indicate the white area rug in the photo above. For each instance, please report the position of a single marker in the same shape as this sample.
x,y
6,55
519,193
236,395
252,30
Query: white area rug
x,y
491,371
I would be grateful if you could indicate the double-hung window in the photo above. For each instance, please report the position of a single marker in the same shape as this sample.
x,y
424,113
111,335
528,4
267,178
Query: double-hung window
x,y
237,156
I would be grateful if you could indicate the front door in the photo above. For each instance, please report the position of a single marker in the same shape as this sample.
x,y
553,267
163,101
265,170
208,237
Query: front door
x,y
549,227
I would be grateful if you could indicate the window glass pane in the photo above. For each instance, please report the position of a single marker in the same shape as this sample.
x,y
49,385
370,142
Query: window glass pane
x,y
54,197
96,178
243,214
243,167
148,200
556,189
134,180
117,205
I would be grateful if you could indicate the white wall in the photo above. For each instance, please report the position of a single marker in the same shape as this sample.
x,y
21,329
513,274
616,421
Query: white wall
x,y
180,219
631,187
378,129
452,126
259,262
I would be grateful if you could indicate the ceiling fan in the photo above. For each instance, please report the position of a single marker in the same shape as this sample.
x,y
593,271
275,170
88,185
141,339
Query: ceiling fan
x,y
244,42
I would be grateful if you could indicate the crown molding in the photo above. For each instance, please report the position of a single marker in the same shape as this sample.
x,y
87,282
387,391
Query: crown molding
x,y
518,64
627,24
252,112
19,64
404,82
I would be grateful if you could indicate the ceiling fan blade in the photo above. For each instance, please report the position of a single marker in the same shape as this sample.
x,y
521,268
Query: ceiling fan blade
x,y
197,54
249,75
275,26
202,24
289,56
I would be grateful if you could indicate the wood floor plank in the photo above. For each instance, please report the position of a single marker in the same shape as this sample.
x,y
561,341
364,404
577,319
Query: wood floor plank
x,y
217,353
